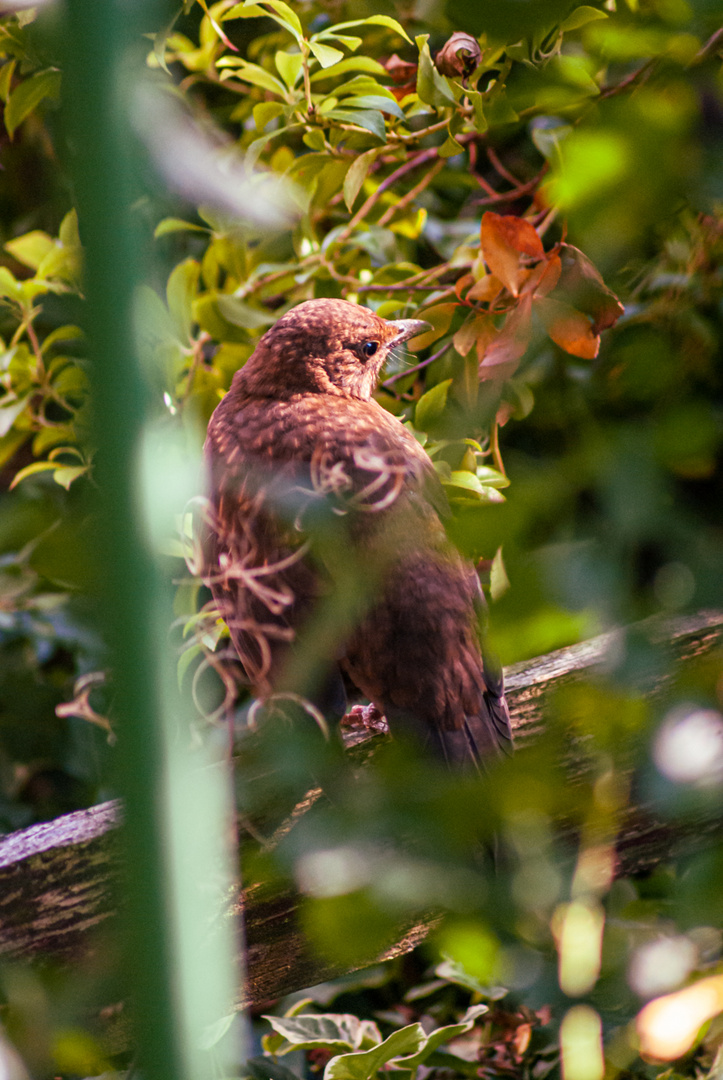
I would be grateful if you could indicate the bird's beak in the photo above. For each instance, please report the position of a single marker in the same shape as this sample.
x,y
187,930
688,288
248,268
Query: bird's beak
x,y
406,329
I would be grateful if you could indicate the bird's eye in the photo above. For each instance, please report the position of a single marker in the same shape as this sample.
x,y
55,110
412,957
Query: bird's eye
x,y
369,348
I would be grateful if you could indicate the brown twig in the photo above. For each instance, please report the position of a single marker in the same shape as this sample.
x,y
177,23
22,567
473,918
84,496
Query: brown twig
x,y
500,168
412,193
418,159
641,74
714,42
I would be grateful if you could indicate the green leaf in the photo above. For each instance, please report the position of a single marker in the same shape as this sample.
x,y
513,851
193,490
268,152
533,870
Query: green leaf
x,y
252,73
346,39
6,78
173,224
329,1031
66,474
431,405
289,67
159,42
498,110
357,174
31,470
238,313
68,234
499,582
364,1064
180,294
374,101
374,20
491,477
582,16
282,14
325,54
352,63
31,248
369,119
9,287
432,87
441,1036
27,96
10,409
62,333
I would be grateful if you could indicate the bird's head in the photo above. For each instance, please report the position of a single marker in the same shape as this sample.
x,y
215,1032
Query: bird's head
x,y
325,346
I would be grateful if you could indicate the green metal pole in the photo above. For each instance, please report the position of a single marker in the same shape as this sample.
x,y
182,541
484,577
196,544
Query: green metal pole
x,y
182,974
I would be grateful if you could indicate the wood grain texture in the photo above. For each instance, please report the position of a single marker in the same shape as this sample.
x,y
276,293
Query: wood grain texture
x,y
57,880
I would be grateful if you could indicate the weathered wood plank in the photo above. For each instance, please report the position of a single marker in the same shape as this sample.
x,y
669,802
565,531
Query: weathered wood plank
x,y
57,879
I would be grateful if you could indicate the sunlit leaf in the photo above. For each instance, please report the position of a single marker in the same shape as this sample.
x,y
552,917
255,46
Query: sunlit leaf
x,y
289,67
374,20
325,54
31,248
171,225
351,63
282,13
26,97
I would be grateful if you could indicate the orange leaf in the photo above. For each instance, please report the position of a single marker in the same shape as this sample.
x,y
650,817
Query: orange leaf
x,y
504,239
545,276
486,289
461,284
569,328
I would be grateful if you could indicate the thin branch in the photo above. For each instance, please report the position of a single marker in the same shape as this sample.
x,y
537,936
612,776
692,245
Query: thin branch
x,y
418,159
412,194
501,169
641,74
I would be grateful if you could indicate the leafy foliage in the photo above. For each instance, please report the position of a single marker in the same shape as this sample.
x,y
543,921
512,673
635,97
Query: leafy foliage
x,y
483,168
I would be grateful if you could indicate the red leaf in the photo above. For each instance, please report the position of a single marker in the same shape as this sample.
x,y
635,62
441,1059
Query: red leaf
x,y
569,328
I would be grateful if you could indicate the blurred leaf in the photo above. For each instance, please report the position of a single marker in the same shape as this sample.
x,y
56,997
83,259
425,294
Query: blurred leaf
x,y
289,67
569,328
171,225
31,248
431,405
581,16
28,95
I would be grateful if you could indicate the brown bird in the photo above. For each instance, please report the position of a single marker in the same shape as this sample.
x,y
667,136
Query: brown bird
x,y
299,436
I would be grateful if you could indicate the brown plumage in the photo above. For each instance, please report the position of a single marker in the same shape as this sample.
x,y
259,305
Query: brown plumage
x,y
298,436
